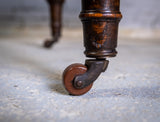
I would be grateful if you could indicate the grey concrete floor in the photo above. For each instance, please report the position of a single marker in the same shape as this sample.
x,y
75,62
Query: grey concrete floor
x,y
31,87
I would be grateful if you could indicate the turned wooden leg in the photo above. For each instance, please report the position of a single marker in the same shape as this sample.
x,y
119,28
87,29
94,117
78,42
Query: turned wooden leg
x,y
100,20
55,20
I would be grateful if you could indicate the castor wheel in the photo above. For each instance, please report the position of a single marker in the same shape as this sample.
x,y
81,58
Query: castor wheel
x,y
68,77
78,78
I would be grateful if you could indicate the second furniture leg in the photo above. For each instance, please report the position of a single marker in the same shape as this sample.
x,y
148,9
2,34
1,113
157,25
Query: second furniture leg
x,y
55,20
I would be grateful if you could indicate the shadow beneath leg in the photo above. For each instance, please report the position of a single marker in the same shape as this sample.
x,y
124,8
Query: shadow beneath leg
x,y
59,88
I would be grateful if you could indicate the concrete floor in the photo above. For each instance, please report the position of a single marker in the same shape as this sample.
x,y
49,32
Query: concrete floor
x,y
31,87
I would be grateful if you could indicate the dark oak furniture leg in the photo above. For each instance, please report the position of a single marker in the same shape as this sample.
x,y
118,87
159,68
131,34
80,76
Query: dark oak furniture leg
x,y
100,20
56,15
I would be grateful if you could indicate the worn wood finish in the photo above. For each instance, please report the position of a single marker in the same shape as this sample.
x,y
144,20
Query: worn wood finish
x,y
100,20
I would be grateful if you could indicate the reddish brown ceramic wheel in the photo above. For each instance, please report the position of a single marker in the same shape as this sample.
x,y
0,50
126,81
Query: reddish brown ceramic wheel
x,y
68,76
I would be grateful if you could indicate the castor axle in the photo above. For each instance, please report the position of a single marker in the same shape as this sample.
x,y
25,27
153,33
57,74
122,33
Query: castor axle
x,y
95,68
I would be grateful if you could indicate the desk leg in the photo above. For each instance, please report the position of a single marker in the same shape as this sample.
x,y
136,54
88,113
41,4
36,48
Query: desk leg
x,y
100,20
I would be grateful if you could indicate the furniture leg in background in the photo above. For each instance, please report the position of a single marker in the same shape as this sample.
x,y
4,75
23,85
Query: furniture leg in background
x,y
55,20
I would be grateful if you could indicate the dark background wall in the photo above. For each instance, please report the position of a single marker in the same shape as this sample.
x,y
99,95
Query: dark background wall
x,y
22,13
